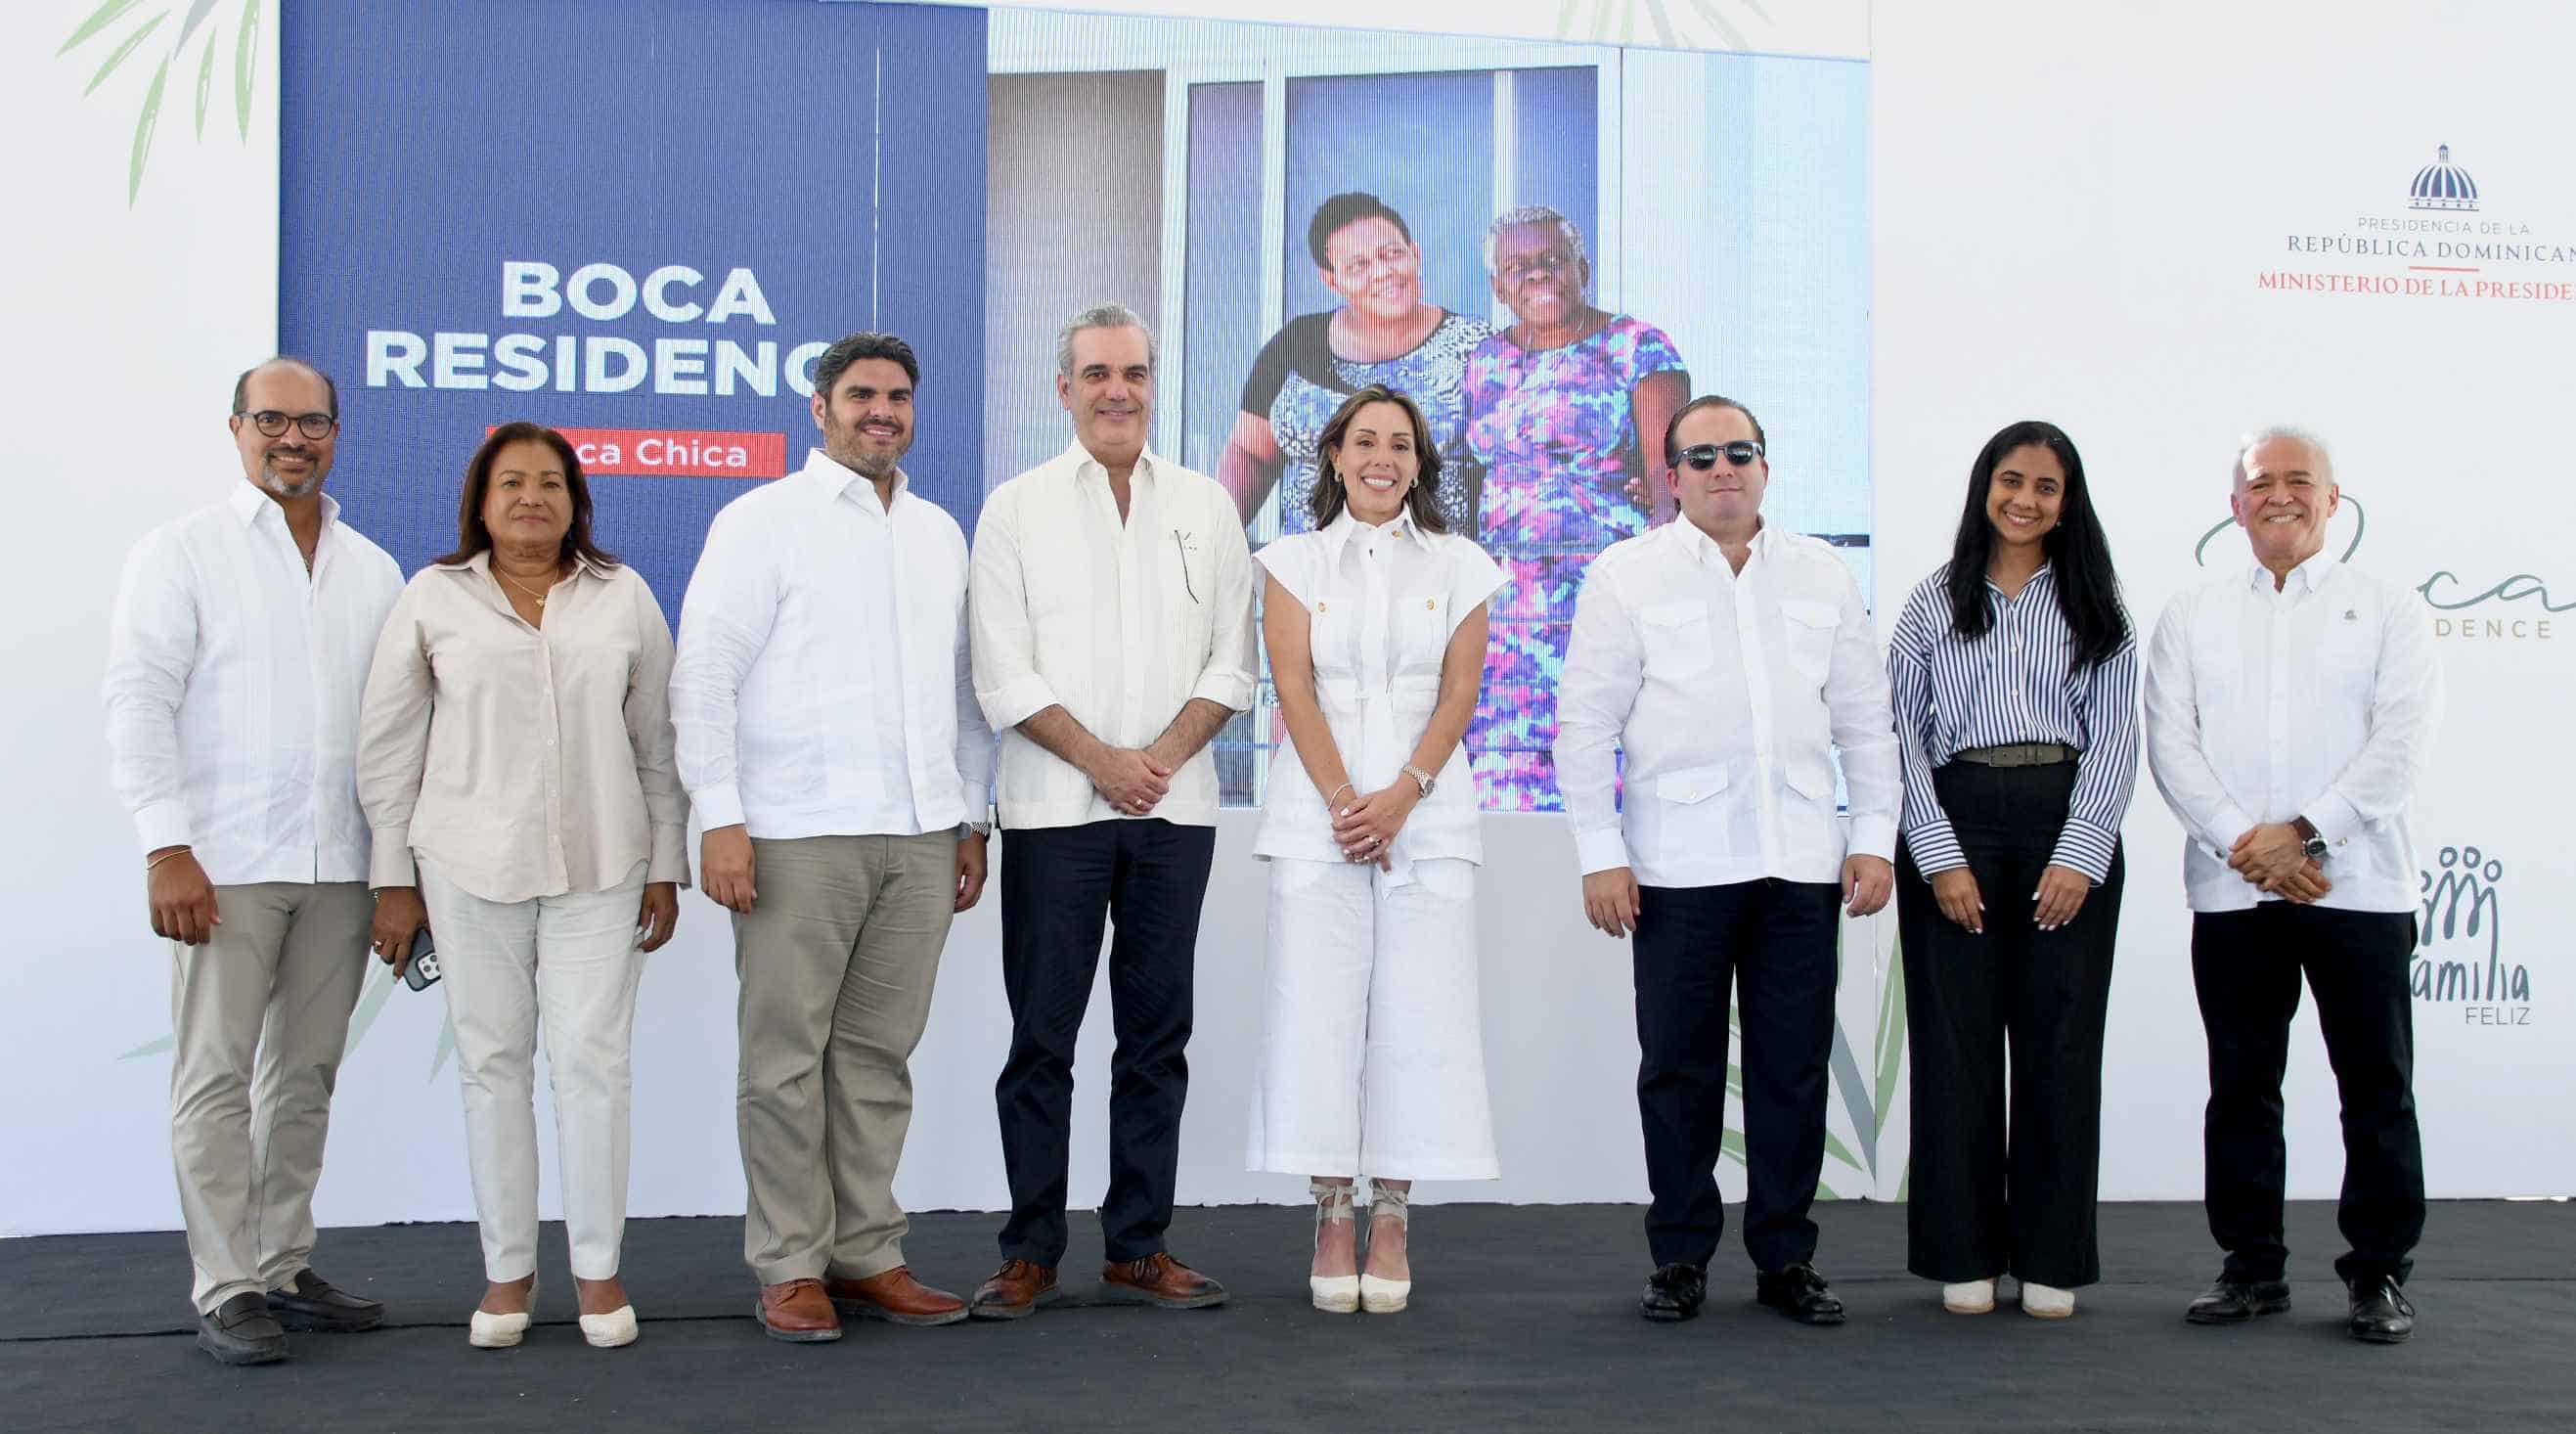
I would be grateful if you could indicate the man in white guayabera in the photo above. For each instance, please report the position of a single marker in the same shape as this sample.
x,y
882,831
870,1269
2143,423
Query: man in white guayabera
x,y
2289,707
1728,662
830,739
236,657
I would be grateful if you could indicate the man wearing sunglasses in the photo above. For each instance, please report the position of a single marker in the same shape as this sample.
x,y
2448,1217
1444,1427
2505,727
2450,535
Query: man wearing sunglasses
x,y
1728,661
240,643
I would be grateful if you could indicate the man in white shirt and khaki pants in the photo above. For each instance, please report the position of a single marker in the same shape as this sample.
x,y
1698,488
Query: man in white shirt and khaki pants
x,y
829,738
1729,661
1112,602
2290,705
236,658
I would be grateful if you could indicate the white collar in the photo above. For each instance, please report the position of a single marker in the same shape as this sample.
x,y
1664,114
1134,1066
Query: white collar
x,y
832,478
1337,535
250,504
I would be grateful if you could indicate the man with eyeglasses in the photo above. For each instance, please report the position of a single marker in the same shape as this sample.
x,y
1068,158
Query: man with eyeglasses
x,y
1728,661
240,642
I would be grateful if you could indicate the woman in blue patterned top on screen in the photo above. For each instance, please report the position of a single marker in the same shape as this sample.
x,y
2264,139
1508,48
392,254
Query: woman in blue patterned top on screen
x,y
1383,334
2014,672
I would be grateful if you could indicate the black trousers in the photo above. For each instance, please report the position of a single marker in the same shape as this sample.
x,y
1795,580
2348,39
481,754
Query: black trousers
x,y
1774,941
2246,967
1147,879
2005,1176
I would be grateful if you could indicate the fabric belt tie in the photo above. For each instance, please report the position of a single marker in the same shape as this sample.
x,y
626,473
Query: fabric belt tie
x,y
2018,754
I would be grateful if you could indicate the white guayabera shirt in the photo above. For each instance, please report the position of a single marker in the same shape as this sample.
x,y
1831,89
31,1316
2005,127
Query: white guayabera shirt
x,y
1121,624
1729,693
232,690
2317,700
822,685
1381,604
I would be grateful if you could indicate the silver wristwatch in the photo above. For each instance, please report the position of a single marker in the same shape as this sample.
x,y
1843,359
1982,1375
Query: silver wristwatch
x,y
1421,778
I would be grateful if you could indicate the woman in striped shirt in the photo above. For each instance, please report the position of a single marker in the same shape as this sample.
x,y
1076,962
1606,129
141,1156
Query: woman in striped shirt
x,y
2014,670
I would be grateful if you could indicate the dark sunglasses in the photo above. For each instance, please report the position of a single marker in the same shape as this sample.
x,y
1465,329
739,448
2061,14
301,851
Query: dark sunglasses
x,y
1704,456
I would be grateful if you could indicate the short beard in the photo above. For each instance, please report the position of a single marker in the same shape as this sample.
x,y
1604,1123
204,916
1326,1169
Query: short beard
x,y
276,484
875,467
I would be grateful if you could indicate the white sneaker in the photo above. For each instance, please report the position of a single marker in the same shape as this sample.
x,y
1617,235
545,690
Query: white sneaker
x,y
612,1330
1970,1297
2046,1301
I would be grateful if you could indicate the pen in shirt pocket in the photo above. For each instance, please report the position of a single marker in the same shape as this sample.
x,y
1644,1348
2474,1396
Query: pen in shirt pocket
x,y
1181,541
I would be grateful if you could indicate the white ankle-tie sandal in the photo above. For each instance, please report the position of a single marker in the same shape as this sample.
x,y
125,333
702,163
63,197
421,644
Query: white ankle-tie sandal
x,y
1379,1296
1334,1294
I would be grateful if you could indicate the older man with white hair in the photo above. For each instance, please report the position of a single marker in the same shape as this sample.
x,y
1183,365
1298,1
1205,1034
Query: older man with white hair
x,y
2289,706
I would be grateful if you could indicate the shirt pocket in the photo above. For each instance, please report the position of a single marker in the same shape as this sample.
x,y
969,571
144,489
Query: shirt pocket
x,y
1677,640
1693,813
1809,630
1422,627
1188,572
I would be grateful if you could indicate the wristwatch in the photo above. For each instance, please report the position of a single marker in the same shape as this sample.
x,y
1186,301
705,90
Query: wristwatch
x,y
1421,778
2309,841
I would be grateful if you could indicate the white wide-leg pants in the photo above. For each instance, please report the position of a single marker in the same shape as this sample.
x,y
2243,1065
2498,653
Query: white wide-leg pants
x,y
568,963
1372,1052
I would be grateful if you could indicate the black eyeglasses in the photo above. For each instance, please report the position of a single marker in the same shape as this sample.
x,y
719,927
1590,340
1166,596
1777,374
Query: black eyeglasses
x,y
273,423
1704,456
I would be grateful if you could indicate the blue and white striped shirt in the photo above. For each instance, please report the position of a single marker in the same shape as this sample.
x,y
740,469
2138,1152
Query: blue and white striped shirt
x,y
2012,685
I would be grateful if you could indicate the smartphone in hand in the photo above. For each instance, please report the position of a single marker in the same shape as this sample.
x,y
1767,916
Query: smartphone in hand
x,y
422,972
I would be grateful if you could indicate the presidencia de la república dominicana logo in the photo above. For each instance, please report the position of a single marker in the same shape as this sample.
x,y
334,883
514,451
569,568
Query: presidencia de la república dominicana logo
x,y
2434,238
2460,959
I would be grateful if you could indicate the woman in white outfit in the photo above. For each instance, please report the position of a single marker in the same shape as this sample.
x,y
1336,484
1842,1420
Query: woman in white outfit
x,y
515,762
1372,1061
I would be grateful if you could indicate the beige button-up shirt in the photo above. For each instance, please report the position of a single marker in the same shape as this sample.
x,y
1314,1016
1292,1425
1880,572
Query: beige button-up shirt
x,y
1120,623
523,761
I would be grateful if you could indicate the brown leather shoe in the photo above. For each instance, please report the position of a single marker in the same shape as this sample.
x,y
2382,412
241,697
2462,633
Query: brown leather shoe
x,y
1015,1291
895,1296
1158,1279
798,1312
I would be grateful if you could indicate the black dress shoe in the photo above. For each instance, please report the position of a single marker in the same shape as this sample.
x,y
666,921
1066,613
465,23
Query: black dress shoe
x,y
2381,1313
241,1331
1674,1292
2238,1301
312,1304
1801,1294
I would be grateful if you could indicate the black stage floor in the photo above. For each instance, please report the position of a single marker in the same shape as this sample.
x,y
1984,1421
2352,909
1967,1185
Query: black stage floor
x,y
1523,1318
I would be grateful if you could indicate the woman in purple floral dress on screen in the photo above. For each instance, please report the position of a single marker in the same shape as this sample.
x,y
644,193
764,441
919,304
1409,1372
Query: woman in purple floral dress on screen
x,y
1566,412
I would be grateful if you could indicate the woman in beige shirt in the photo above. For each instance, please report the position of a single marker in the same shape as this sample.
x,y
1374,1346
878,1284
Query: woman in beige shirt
x,y
515,763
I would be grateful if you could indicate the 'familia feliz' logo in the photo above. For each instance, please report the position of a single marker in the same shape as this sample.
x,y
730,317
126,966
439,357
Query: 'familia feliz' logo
x,y
2459,953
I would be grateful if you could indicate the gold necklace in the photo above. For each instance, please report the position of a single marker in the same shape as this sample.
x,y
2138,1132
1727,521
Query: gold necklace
x,y
523,587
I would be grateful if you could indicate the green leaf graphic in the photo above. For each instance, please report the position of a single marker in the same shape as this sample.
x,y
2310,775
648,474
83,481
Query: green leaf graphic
x,y
151,1048
99,19
205,85
1891,1032
1841,1152
371,1004
197,14
245,65
117,56
144,124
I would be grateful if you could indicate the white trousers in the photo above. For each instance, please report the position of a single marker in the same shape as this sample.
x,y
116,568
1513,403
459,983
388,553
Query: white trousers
x,y
1372,1052
568,963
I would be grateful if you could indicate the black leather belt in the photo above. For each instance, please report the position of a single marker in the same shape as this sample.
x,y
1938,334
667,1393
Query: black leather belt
x,y
2018,754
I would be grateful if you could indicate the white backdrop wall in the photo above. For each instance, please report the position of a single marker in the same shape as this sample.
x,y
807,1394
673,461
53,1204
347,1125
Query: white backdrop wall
x,y
2073,211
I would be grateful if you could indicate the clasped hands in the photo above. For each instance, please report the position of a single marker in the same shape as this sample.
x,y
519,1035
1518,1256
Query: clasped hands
x,y
1365,827
2274,858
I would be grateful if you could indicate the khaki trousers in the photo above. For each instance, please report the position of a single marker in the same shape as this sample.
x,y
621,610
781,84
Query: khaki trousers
x,y
259,1016
836,961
